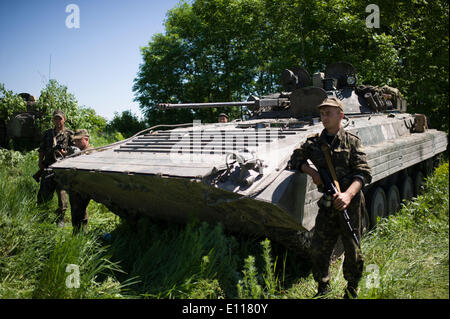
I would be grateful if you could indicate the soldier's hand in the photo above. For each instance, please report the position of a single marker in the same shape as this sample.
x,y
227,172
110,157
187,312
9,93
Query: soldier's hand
x,y
313,173
341,201
63,152
316,179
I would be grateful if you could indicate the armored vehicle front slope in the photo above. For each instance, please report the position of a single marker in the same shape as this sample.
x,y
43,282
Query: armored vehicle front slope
x,y
237,173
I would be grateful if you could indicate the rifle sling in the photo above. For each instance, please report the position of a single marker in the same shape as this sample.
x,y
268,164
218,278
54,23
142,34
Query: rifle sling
x,y
326,152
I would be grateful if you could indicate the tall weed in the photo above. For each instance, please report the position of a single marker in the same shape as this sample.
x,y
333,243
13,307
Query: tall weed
x,y
249,286
171,261
73,269
33,251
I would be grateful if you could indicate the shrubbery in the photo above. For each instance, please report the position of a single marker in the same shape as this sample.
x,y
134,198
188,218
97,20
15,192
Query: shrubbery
x,y
126,123
10,103
56,96
53,96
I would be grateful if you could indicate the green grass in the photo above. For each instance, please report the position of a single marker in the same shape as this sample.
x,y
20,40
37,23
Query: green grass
x,y
411,248
173,260
406,256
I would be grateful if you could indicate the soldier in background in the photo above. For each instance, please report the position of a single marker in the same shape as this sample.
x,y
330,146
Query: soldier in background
x,y
54,145
223,118
352,173
79,202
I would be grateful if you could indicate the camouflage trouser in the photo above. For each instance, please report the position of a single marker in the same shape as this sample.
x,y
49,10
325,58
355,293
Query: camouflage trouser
x,y
47,188
329,226
78,205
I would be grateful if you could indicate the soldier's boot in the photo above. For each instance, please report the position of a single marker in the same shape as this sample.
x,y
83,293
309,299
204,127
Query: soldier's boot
x,y
324,288
60,214
62,207
351,292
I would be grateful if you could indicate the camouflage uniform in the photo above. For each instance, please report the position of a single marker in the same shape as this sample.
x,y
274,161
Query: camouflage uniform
x,y
349,161
62,140
79,202
78,210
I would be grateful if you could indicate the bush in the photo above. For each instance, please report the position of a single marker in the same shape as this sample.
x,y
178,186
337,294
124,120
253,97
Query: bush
x,y
127,123
10,103
56,96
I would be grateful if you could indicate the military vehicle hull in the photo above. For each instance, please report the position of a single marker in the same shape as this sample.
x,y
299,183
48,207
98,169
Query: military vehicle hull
x,y
236,173
21,127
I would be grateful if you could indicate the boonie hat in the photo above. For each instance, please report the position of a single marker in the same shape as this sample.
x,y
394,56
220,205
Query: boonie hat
x,y
79,134
332,101
223,114
59,113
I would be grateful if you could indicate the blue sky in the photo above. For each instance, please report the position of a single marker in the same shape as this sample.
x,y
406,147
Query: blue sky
x,y
97,61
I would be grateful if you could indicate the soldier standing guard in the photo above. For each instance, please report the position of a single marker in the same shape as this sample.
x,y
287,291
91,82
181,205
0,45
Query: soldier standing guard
x,y
352,173
54,145
79,202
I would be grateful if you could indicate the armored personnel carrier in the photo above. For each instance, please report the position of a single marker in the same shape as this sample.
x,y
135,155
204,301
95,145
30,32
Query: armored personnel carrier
x,y
21,127
237,173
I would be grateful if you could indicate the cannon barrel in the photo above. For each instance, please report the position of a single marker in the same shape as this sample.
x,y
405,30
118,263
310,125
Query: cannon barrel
x,y
167,106
254,102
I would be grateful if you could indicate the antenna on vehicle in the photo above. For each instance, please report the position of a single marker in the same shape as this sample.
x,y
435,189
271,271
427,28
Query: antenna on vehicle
x,y
49,67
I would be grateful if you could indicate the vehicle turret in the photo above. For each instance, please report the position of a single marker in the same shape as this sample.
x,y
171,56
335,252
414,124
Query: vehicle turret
x,y
301,97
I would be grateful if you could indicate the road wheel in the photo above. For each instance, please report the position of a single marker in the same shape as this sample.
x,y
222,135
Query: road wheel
x,y
365,223
407,188
418,183
378,205
393,200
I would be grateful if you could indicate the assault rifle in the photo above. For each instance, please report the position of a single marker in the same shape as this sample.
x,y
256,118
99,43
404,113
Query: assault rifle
x,y
58,156
329,190
37,176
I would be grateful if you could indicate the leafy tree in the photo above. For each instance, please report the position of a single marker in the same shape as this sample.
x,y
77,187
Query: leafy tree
x,y
10,103
225,50
200,59
53,96
87,118
126,123
56,96
421,32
